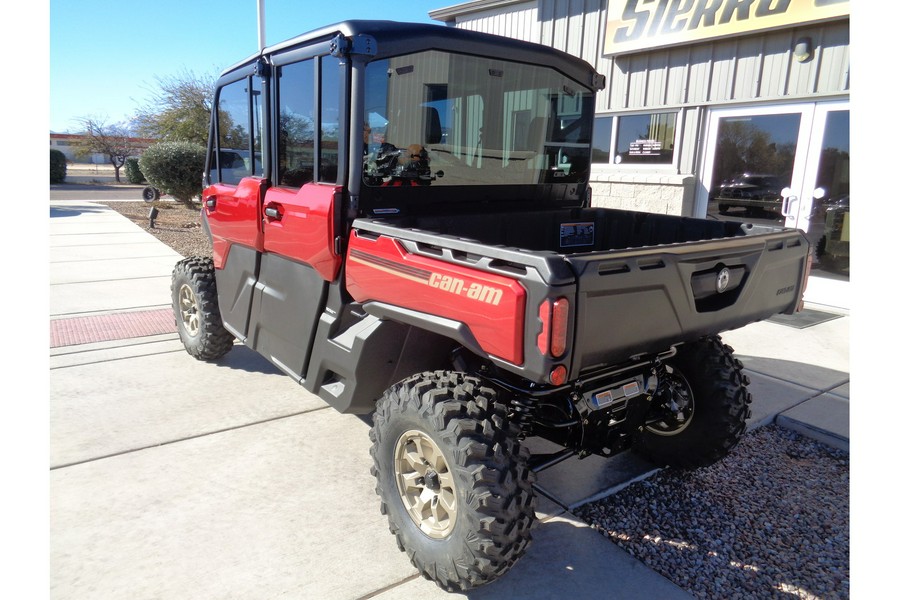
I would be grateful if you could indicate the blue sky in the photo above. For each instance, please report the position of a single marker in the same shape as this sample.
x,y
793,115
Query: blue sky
x,y
105,55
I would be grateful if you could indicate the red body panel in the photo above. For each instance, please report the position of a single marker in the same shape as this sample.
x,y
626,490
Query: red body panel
x,y
234,217
492,306
305,229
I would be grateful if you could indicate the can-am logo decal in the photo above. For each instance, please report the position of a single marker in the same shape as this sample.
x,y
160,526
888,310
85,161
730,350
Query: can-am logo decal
x,y
447,283
472,290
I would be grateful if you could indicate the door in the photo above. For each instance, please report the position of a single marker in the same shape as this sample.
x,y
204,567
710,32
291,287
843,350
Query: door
x,y
235,185
823,200
233,193
300,211
786,165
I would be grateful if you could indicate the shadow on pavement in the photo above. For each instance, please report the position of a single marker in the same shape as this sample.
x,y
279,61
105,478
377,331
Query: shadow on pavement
x,y
243,358
74,211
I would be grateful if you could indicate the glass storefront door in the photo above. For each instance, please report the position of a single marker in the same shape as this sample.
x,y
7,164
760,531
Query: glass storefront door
x,y
824,198
753,154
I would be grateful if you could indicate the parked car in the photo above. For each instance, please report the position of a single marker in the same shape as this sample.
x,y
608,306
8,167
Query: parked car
x,y
756,193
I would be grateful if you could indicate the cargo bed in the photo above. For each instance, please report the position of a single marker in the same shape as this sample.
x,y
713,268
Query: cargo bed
x,y
641,282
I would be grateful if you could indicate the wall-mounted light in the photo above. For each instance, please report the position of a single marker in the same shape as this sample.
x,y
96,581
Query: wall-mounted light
x,y
803,49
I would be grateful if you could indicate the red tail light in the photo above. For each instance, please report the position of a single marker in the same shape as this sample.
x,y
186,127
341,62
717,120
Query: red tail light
x,y
559,327
554,336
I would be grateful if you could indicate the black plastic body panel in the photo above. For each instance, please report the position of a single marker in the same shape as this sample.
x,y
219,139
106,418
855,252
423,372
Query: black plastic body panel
x,y
235,286
287,301
354,360
642,301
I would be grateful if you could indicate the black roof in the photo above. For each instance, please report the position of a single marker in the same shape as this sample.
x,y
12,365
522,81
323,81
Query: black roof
x,y
392,38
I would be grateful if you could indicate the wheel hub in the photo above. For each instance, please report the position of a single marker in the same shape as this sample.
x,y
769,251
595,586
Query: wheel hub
x,y
432,480
676,403
426,485
189,309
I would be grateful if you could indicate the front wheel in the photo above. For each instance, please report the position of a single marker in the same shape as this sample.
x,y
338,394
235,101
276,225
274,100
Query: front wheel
x,y
452,478
703,407
196,305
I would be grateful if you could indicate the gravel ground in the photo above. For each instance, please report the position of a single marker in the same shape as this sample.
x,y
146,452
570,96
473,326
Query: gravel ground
x,y
177,226
770,520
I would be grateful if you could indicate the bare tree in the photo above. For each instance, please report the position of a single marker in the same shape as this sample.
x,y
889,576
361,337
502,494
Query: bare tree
x,y
179,108
113,141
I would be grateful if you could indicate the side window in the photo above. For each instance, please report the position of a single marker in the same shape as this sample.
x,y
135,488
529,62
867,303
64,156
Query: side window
x,y
308,131
296,123
233,125
330,119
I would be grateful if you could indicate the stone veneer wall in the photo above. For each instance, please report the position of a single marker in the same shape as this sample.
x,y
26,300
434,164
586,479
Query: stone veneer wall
x,y
666,194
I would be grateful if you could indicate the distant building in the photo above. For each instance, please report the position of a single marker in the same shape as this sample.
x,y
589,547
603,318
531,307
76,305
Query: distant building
x,y
67,142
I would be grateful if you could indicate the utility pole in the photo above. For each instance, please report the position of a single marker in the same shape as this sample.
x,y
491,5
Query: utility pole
x,y
261,22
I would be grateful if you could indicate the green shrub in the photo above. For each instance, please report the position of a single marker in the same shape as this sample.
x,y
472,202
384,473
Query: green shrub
x,y
175,168
57,166
133,171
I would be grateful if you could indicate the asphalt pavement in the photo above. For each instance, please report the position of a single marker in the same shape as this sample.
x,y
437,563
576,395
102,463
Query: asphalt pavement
x,y
175,478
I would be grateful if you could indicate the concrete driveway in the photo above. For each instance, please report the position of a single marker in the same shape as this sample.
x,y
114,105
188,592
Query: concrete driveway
x,y
174,478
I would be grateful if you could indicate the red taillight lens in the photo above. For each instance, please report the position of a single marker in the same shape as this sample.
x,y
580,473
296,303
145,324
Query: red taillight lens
x,y
559,327
554,336
558,375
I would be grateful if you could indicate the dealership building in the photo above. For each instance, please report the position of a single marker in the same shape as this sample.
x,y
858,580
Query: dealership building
x,y
725,109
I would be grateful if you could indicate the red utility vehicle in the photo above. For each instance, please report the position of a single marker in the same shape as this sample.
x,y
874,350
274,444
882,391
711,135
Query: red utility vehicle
x,y
416,238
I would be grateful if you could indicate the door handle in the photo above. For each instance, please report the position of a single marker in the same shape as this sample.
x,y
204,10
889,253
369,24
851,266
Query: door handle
x,y
211,202
273,211
786,205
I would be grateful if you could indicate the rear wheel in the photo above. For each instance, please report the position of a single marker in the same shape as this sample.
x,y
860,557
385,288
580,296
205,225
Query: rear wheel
x,y
452,478
703,407
196,305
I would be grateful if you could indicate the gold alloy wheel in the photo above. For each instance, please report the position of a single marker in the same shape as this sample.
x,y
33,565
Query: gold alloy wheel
x,y
426,484
190,310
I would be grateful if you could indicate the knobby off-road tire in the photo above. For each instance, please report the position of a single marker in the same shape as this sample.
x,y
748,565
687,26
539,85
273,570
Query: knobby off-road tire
x,y
150,194
452,478
196,305
716,411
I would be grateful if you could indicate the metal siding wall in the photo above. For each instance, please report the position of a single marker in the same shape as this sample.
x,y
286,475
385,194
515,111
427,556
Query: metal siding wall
x,y
744,68
520,22
776,62
573,26
740,69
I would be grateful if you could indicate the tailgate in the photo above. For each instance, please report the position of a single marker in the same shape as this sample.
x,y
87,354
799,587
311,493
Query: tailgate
x,y
645,300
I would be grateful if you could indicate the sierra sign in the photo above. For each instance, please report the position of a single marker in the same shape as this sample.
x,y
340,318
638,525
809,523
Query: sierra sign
x,y
633,25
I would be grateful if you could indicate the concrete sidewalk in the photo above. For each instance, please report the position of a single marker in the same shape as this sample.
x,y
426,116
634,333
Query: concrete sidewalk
x,y
174,478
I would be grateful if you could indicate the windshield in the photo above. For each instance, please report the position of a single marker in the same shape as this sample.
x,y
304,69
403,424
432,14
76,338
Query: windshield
x,y
438,118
